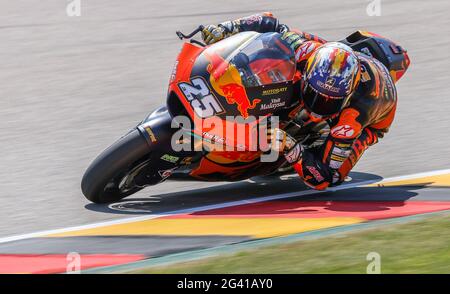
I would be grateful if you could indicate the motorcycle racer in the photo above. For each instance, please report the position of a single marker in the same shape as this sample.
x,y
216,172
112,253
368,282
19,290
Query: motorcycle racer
x,y
353,92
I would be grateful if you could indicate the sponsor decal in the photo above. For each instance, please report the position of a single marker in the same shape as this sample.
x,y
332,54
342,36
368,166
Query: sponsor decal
x,y
274,91
227,82
151,134
293,155
186,161
388,84
174,71
315,173
252,19
337,157
213,138
343,145
341,152
164,174
328,87
330,81
334,164
274,103
344,131
170,158
366,51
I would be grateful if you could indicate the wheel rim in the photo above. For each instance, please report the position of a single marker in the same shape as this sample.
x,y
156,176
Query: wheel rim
x,y
125,183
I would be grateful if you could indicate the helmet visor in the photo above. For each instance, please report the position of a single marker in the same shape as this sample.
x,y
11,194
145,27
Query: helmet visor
x,y
321,104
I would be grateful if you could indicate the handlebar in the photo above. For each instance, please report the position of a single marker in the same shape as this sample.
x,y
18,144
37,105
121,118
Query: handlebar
x,y
193,33
189,36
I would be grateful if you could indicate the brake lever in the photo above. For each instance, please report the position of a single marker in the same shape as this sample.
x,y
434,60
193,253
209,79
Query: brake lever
x,y
193,33
198,43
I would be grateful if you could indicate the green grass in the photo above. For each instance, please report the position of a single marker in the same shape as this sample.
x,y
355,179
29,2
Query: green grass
x,y
416,247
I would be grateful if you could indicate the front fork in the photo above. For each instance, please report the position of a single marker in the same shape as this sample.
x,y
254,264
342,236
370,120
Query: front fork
x,y
163,160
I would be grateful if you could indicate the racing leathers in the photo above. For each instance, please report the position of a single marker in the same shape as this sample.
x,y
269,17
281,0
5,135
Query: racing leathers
x,y
366,118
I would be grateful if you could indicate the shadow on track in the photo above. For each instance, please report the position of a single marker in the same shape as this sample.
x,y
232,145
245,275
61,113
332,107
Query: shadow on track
x,y
255,188
378,198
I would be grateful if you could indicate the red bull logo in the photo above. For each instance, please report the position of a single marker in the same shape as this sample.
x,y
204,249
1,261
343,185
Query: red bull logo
x,y
227,82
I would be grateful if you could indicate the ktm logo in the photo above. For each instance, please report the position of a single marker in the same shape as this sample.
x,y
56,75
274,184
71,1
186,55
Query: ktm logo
x,y
344,131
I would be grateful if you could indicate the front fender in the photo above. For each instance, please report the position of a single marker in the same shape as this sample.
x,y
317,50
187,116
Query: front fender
x,y
156,129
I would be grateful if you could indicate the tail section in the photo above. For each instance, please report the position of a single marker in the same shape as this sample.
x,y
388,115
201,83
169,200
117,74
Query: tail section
x,y
392,55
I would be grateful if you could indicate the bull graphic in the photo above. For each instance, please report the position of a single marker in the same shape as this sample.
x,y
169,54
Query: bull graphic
x,y
227,82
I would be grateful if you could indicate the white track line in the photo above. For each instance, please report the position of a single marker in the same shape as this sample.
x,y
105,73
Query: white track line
x,y
221,205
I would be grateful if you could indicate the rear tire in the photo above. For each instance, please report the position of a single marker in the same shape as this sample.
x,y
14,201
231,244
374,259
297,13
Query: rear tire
x,y
101,181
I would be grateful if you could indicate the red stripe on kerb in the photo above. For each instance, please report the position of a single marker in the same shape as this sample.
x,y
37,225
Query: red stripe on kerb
x,y
58,263
369,210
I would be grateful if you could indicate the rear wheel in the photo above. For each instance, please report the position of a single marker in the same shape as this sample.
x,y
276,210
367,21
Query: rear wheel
x,y
110,177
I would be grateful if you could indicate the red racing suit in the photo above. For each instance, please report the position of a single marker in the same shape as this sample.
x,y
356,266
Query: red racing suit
x,y
360,124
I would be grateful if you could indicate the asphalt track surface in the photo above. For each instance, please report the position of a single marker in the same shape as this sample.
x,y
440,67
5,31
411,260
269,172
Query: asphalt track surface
x,y
70,86
205,231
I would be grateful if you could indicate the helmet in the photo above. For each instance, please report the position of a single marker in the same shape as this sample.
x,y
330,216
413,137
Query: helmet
x,y
331,76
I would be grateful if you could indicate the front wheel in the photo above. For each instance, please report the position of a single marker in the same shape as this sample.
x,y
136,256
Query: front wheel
x,y
109,177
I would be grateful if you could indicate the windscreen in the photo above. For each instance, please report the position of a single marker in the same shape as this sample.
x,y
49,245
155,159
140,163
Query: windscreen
x,y
264,61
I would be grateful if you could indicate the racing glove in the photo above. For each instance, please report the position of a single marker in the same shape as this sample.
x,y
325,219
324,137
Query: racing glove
x,y
280,141
212,34
262,23
294,154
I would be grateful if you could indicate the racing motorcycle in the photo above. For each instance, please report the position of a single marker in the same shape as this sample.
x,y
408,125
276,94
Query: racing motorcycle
x,y
248,74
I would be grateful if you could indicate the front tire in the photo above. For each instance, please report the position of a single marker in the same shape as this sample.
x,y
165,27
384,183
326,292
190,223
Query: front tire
x,y
102,180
